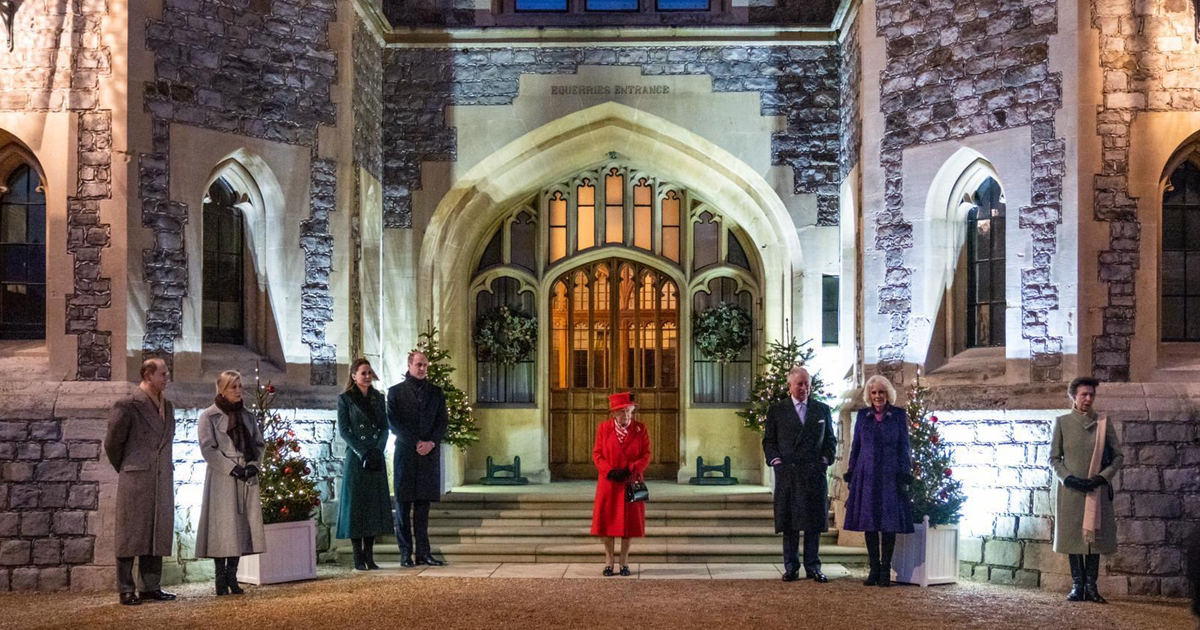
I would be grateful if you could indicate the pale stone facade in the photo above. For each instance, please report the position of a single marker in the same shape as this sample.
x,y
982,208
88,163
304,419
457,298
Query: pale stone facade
x,y
374,146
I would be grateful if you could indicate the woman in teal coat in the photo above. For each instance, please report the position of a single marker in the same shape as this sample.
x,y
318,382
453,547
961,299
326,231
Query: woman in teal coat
x,y
366,506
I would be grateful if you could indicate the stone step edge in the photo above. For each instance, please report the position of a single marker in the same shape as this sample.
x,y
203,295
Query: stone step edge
x,y
674,549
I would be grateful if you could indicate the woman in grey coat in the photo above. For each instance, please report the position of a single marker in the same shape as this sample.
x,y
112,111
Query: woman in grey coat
x,y
231,523
1073,447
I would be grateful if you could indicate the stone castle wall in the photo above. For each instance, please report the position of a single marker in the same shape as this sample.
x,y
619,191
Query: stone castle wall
x,y
58,63
1002,456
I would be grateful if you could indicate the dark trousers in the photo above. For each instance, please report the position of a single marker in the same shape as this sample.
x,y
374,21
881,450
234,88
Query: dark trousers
x,y
791,551
412,527
149,569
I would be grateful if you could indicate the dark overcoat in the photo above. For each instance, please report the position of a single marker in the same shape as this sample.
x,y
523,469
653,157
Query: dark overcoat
x,y
879,455
365,508
417,413
805,451
138,444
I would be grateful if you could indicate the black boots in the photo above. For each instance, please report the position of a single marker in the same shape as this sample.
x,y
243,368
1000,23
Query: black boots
x,y
1078,581
231,565
885,558
226,575
1091,568
872,558
369,553
360,561
219,572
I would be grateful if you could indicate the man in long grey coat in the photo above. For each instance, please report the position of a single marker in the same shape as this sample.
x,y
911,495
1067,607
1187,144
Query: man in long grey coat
x,y
418,416
1072,443
141,428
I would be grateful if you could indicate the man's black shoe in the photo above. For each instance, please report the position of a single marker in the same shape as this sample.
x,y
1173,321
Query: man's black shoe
x,y
407,561
816,576
431,561
158,596
791,576
130,599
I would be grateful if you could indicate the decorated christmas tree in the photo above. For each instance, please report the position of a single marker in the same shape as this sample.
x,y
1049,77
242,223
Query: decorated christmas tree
x,y
461,430
935,492
770,386
285,484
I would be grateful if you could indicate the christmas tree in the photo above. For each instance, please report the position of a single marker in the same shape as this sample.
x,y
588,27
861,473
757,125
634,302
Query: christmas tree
x,y
770,386
461,430
287,491
935,492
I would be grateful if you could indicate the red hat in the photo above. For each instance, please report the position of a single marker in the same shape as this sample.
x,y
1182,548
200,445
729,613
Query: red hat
x,y
621,400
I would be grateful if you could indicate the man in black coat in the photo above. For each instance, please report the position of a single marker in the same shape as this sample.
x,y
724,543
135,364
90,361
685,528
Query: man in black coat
x,y
799,445
417,415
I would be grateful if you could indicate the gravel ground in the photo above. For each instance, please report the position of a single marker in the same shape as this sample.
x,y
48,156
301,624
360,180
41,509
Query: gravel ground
x,y
361,601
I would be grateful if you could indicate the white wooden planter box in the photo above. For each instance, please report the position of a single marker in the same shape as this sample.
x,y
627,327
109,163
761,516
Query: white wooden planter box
x,y
927,556
291,554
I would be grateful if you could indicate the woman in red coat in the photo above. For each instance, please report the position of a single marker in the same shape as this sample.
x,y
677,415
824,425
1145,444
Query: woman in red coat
x,y
621,453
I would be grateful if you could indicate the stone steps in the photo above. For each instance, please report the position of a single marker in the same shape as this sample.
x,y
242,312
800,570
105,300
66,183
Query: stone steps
x,y
554,524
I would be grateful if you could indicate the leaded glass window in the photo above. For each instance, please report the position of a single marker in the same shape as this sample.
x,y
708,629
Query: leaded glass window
x,y
23,257
496,383
985,267
1180,307
224,304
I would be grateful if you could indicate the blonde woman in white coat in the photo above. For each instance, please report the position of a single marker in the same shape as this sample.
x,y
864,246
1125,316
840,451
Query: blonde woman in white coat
x,y
231,523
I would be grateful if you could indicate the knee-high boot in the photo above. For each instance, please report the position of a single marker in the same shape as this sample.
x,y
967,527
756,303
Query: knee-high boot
x,y
872,558
1091,566
369,553
885,558
359,563
231,566
1078,581
219,572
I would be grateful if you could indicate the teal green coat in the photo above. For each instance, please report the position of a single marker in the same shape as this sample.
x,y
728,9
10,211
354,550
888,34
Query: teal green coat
x,y
366,505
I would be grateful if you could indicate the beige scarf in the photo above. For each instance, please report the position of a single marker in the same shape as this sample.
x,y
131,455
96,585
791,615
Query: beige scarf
x,y
1091,504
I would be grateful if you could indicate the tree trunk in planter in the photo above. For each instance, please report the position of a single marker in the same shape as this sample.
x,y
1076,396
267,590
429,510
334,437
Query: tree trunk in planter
x,y
291,554
927,556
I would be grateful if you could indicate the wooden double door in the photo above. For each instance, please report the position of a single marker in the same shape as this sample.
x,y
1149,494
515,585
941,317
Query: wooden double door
x,y
615,328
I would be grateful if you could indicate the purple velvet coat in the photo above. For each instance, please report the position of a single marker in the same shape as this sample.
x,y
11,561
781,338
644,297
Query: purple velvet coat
x,y
879,454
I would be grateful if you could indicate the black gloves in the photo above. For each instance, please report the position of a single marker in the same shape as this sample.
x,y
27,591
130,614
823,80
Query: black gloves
x,y
618,475
251,471
1098,481
238,472
373,460
1075,483
846,477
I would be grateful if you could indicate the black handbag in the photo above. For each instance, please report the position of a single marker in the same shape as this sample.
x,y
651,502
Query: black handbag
x,y
636,492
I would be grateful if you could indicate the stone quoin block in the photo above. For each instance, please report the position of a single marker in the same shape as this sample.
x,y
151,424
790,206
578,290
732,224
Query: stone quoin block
x,y
1002,553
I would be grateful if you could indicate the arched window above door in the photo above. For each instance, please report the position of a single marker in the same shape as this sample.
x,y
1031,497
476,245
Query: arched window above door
x,y
620,220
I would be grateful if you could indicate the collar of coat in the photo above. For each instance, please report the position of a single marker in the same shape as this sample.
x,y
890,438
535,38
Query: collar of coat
x,y
364,402
1086,420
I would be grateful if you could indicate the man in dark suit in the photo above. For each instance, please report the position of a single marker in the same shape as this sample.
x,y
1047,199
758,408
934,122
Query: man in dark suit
x,y
799,445
418,416
141,430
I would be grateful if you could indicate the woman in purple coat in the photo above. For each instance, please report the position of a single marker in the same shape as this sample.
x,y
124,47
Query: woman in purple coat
x,y
879,474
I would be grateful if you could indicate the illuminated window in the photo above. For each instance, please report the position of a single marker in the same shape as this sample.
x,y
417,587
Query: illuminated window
x,y
558,227
643,215
670,226
585,216
614,208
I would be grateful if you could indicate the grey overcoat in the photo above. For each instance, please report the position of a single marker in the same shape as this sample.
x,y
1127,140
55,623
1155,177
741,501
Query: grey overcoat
x,y
138,445
231,522
1071,444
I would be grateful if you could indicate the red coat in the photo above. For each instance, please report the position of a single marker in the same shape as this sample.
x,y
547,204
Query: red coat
x,y
611,515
